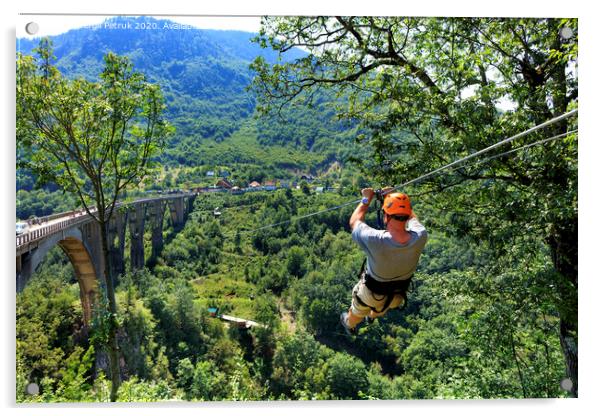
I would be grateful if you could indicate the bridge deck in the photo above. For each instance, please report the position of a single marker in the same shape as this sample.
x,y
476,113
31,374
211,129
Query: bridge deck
x,y
51,224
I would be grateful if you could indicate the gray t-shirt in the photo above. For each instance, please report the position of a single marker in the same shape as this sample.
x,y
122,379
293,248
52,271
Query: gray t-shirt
x,y
388,259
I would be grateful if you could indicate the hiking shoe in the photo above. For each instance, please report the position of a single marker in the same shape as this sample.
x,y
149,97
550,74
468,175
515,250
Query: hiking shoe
x,y
345,322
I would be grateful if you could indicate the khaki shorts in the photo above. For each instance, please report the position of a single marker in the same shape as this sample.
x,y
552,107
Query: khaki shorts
x,y
371,299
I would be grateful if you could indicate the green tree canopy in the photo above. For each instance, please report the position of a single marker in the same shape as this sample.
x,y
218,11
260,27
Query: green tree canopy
x,y
428,91
92,139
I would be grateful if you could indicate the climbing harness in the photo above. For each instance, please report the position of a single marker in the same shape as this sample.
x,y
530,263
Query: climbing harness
x,y
388,289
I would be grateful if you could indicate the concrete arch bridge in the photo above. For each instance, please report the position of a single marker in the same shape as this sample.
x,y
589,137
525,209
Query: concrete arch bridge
x,y
78,235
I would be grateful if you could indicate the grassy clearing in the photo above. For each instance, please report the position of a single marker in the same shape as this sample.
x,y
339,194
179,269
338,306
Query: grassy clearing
x,y
232,295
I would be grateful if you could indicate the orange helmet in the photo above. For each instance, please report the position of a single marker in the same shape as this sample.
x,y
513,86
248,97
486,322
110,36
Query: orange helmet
x,y
397,204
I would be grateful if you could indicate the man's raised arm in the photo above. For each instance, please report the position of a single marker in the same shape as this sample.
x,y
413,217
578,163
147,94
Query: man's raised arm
x,y
360,212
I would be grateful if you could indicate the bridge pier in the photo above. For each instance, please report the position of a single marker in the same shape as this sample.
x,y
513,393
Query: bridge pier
x,y
91,238
189,204
157,214
176,209
116,235
24,270
136,222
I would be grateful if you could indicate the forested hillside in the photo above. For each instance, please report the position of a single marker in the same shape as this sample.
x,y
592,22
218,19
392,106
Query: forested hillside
x,y
204,76
472,328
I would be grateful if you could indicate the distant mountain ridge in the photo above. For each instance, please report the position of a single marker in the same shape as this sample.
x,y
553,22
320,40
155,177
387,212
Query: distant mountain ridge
x,y
204,75
172,40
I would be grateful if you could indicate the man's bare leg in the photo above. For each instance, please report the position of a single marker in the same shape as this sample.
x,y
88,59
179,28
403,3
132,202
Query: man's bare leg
x,y
353,320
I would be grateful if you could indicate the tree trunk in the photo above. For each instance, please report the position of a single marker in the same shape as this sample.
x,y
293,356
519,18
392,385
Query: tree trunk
x,y
520,373
563,245
563,237
113,345
568,341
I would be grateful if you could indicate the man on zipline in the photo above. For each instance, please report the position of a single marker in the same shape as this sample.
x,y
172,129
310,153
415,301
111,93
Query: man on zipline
x,y
392,257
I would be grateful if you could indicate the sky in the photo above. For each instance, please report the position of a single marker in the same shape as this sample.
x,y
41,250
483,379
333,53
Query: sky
x,y
50,25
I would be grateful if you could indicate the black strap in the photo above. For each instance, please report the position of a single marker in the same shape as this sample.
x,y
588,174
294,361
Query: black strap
x,y
364,304
384,288
388,301
362,268
388,289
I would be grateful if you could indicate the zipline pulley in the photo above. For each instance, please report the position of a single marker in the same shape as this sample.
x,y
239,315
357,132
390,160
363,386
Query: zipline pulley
x,y
379,205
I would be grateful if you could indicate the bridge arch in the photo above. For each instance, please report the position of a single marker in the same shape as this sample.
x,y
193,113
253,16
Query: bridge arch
x,y
79,238
73,244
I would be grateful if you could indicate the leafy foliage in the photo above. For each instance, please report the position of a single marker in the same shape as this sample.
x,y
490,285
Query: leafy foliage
x,y
432,90
92,139
475,326
493,286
